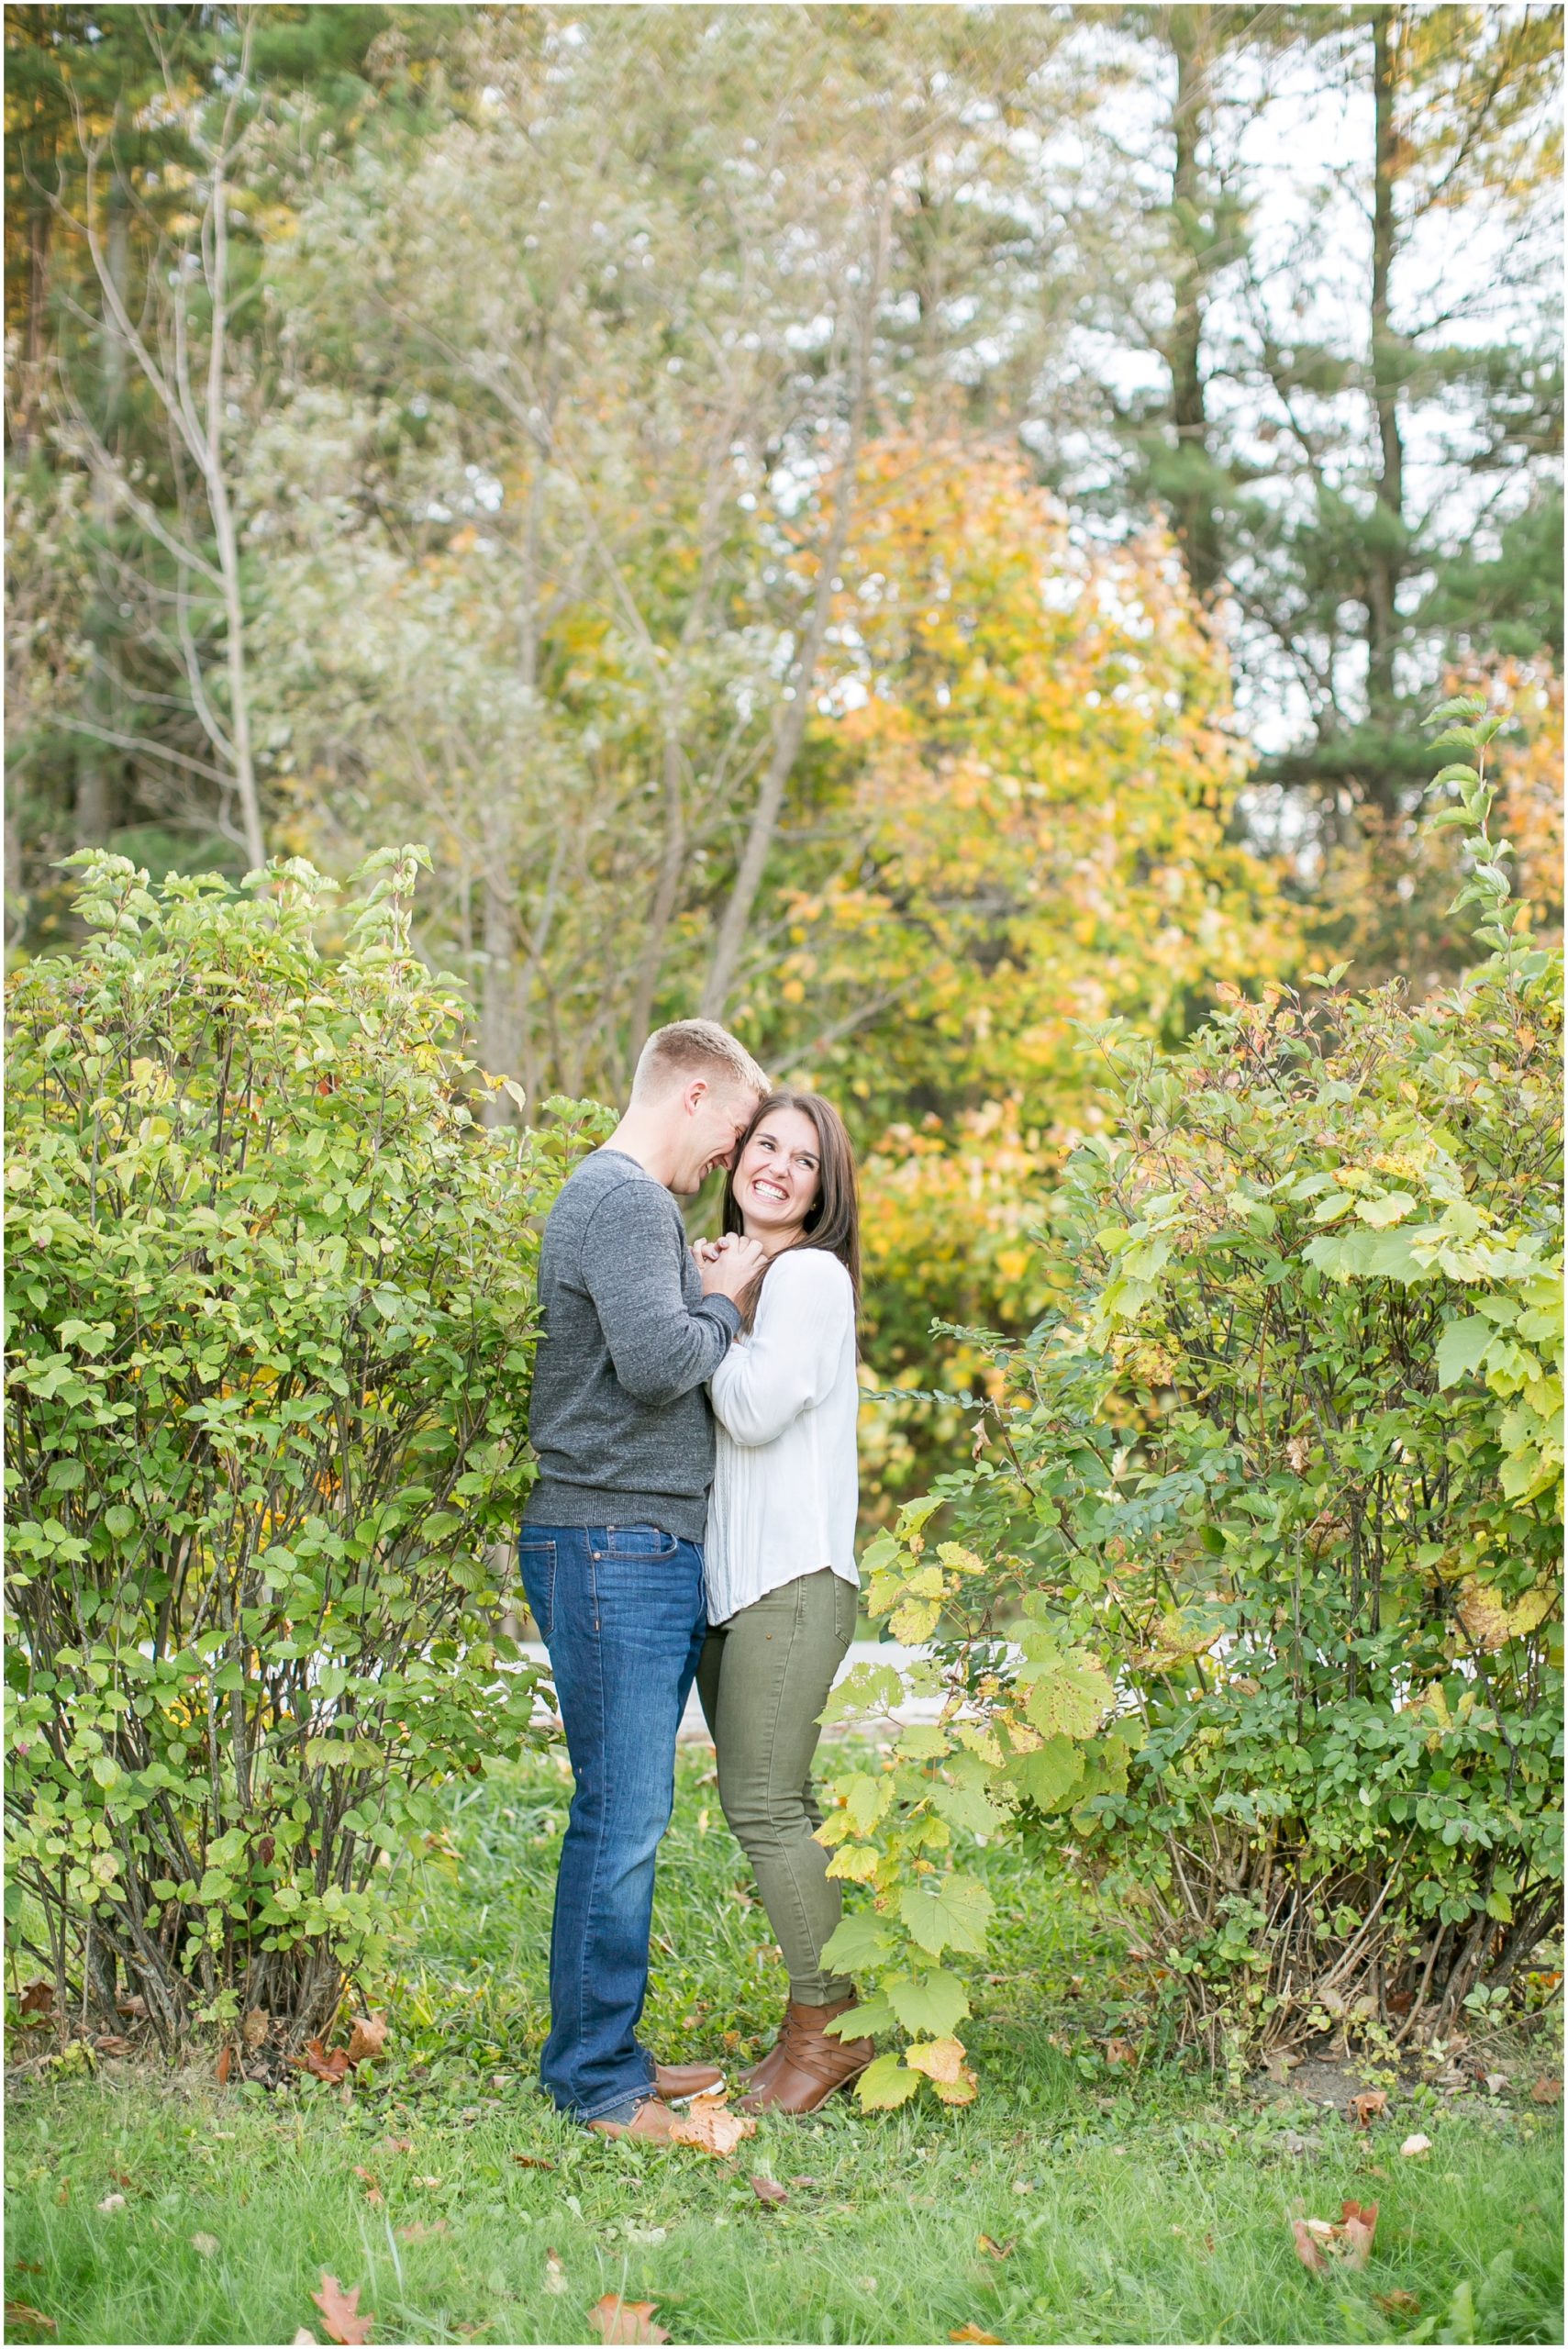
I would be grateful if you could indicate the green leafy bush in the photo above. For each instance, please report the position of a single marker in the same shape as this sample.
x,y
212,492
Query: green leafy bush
x,y
270,1298
1279,1499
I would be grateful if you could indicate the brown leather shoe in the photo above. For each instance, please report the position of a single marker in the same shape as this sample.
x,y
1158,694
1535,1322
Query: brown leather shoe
x,y
678,2083
652,2121
810,2066
762,2070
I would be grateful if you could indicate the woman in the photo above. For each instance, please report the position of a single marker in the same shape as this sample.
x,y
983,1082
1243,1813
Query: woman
x,y
779,1564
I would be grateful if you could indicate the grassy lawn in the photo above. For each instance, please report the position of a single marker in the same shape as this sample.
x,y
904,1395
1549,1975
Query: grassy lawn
x,y
1146,2209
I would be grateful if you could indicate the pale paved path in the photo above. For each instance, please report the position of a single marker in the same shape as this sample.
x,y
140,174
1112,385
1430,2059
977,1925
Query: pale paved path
x,y
693,1729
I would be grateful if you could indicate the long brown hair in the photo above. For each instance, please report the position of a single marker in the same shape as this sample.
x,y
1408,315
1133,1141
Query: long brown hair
x,y
833,1218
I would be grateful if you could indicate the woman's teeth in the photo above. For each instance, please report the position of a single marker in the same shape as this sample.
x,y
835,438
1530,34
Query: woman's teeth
x,y
769,1191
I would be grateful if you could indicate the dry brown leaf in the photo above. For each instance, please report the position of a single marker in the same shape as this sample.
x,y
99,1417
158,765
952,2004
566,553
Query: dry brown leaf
x,y
121,2177
1415,2145
769,2193
1547,2092
396,2145
38,1998
421,2229
972,2332
322,2066
340,2311
253,2030
532,2161
367,2038
110,2042
1364,2110
225,2066
711,2126
554,2273
806,2185
1306,2249
374,2194
613,2318
1120,2051
1397,2304
20,2312
1349,2242
135,2006
989,2244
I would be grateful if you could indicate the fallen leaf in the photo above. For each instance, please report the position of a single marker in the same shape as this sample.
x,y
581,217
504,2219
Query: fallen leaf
x,y
1349,2243
341,2310
112,2202
1548,2091
253,2030
1306,2250
322,2066
554,2273
806,2185
397,2145
367,2038
769,2192
1400,2002
64,2194
135,2006
421,2230
225,2066
18,2313
206,2245
28,2266
972,2332
711,2126
374,2194
1397,2304
121,2177
38,1998
1120,2051
1415,2145
532,2161
1358,2224
109,2043
999,2250
1364,2110
613,2318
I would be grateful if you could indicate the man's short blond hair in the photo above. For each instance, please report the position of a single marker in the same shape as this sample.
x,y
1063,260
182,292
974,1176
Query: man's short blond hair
x,y
689,1048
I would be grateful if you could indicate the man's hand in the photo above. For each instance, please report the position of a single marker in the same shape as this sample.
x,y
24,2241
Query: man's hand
x,y
730,1266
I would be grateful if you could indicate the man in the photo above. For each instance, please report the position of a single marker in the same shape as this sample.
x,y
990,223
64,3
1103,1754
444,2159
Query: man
x,y
611,1542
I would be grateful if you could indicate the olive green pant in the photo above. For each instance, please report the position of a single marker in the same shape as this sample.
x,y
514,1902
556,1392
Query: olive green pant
x,y
764,1678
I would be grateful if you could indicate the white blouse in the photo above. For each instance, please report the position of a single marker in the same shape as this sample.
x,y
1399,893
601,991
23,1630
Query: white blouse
x,y
785,1483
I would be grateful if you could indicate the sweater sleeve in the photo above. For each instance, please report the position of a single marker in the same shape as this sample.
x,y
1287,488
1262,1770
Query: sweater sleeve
x,y
792,1356
632,1260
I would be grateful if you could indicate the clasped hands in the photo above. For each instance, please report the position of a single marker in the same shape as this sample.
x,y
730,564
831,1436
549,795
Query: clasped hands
x,y
730,1266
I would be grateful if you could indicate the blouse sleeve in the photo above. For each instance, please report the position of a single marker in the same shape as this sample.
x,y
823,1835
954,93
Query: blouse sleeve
x,y
792,1357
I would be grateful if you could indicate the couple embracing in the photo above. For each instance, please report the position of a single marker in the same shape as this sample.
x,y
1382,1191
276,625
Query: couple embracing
x,y
694,1418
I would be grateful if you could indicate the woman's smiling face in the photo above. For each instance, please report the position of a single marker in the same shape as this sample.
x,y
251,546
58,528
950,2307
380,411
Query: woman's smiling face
x,y
779,1175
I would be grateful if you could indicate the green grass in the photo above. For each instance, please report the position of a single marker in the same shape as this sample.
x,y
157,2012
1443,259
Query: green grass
x,y
1150,2209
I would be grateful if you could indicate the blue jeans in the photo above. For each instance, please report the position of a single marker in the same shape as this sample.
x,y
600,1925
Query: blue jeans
x,y
621,1610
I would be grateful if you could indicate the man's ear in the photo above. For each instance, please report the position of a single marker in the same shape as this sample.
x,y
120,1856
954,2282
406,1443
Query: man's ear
x,y
695,1095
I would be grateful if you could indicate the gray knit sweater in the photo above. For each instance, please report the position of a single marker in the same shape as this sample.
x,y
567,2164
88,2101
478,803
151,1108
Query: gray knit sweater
x,y
619,1417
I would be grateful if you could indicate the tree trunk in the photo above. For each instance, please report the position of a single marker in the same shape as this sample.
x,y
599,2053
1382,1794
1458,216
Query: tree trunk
x,y
1197,525
216,486
1385,556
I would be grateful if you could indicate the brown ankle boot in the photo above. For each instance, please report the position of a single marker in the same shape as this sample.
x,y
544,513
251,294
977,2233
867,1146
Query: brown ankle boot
x,y
807,2065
